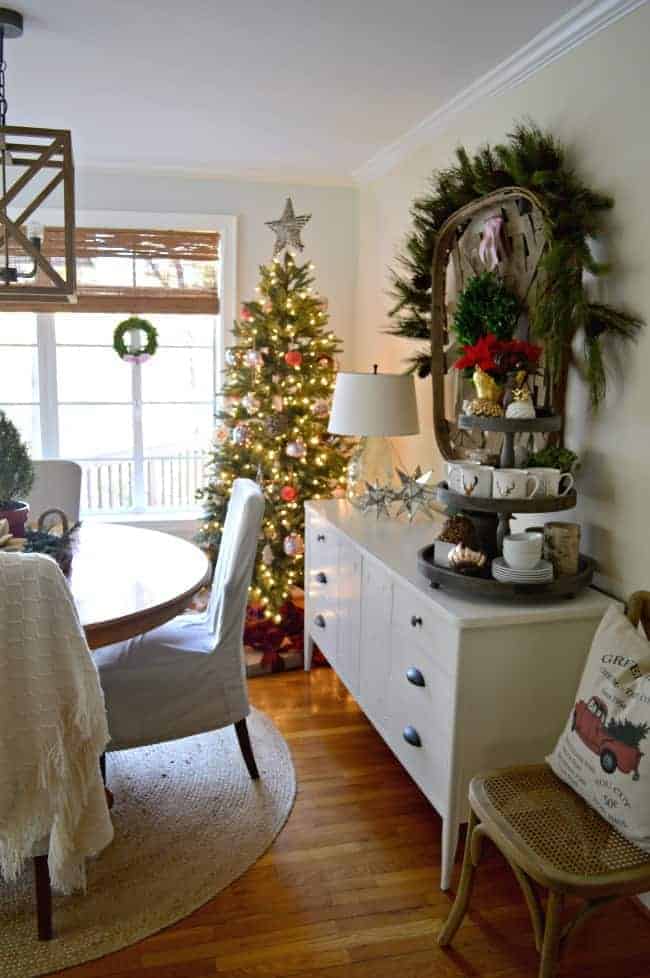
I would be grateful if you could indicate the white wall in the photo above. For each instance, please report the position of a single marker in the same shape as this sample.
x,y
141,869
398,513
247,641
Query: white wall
x,y
330,238
595,100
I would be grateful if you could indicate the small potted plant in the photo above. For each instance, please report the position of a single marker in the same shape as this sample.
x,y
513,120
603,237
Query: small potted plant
x,y
16,477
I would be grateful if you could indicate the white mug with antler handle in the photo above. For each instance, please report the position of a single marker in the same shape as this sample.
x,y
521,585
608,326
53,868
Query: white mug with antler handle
x,y
515,484
470,479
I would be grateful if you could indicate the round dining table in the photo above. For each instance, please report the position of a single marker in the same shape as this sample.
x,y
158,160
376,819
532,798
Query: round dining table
x,y
126,580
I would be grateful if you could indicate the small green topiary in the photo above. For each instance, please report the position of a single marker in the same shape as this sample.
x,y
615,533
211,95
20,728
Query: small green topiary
x,y
16,469
485,306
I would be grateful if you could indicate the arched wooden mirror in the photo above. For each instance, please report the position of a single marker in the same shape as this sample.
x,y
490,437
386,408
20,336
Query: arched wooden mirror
x,y
456,260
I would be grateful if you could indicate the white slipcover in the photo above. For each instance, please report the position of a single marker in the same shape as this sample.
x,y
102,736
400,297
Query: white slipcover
x,y
57,485
188,676
52,726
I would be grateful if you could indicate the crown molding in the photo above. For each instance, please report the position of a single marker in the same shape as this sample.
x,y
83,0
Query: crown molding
x,y
564,34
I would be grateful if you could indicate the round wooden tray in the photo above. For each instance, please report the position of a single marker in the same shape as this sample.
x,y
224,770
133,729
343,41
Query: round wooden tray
x,y
482,504
488,587
510,425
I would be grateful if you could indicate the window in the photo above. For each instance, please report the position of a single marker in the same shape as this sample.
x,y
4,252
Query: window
x,y
140,431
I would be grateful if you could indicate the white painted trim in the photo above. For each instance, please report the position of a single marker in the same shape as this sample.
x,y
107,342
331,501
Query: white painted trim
x,y
564,34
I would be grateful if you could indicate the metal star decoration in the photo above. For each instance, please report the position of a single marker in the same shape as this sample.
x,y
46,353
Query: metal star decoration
x,y
377,497
287,229
416,495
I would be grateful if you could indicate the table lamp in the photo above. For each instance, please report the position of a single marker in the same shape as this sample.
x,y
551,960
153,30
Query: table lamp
x,y
373,407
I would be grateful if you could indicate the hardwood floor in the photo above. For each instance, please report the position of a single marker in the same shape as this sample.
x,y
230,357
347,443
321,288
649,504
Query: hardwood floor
x,y
350,887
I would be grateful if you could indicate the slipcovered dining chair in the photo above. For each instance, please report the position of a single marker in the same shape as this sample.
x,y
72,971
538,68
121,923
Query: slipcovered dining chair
x,y
188,676
57,485
53,732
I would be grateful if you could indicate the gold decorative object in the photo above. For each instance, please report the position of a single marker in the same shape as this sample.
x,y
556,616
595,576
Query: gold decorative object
x,y
487,388
484,409
487,403
521,405
467,561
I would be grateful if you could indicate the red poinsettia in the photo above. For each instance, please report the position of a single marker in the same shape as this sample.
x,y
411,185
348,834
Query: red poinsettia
x,y
499,357
481,354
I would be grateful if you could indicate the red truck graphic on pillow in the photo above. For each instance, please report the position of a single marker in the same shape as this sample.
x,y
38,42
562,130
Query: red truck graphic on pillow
x,y
615,741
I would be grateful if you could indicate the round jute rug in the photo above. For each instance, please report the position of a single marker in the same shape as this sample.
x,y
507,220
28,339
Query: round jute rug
x,y
188,821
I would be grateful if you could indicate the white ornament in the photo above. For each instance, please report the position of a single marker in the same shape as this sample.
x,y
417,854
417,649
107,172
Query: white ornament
x,y
251,403
240,434
232,357
253,358
296,449
293,545
267,555
521,409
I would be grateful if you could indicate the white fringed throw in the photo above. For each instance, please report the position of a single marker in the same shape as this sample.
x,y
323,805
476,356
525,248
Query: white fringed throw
x,y
52,726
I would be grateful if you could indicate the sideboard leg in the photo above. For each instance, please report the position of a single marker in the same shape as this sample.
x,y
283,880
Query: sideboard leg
x,y
309,650
450,832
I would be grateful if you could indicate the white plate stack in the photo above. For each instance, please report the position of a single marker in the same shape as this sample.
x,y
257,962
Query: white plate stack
x,y
539,574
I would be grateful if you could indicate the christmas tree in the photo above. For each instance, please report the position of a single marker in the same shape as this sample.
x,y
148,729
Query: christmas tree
x,y
273,423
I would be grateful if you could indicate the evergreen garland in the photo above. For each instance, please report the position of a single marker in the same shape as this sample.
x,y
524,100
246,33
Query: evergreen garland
x,y
572,212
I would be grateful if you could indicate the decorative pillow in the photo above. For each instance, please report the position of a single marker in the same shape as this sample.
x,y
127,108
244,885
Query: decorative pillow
x,y
600,753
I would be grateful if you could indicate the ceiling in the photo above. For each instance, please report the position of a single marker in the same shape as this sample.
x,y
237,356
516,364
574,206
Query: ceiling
x,y
289,89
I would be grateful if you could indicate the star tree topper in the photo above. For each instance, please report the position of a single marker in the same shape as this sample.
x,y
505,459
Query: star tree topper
x,y
287,229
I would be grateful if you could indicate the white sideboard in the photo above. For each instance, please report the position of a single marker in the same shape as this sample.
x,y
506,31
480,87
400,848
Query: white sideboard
x,y
454,686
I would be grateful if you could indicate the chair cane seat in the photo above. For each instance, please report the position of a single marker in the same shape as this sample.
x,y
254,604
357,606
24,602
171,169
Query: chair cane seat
x,y
552,833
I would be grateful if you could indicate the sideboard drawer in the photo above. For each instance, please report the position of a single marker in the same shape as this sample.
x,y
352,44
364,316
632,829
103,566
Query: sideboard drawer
x,y
323,626
423,748
418,682
415,623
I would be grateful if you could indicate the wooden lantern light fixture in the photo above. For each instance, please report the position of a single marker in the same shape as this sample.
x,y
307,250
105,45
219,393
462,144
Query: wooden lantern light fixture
x,y
33,164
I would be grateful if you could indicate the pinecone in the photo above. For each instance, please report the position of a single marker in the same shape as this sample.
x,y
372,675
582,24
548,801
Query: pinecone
x,y
458,529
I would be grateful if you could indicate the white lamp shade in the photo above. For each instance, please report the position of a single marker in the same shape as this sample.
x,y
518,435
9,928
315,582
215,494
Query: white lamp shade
x,y
374,405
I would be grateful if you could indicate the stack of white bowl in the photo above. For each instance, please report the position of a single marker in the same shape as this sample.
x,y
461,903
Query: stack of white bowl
x,y
522,562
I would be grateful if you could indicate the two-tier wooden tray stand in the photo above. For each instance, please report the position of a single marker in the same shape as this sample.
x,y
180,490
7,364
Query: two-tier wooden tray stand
x,y
492,517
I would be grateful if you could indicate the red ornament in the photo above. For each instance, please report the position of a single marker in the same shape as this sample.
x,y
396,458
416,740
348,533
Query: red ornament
x,y
288,494
293,358
246,315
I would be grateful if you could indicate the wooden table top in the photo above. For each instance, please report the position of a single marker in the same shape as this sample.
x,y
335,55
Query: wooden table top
x,y
126,580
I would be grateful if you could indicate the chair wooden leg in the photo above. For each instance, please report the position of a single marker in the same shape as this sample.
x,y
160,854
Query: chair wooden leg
x,y
110,800
459,909
247,751
43,898
552,935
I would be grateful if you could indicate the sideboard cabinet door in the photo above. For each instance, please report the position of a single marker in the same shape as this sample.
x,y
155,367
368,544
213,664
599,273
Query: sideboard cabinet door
x,y
349,592
374,665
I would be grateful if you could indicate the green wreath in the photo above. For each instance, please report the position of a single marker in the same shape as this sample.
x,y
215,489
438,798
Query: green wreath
x,y
142,354
573,214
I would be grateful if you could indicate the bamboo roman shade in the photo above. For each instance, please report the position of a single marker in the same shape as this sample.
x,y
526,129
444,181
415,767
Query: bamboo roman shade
x,y
125,270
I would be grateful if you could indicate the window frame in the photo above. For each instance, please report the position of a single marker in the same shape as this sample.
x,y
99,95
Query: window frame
x,y
226,228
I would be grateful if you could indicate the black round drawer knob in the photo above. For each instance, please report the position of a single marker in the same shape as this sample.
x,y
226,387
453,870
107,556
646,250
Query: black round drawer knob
x,y
319,621
415,677
321,538
321,578
412,737
416,621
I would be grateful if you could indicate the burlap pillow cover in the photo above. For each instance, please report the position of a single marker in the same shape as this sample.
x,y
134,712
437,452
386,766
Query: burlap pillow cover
x,y
600,753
